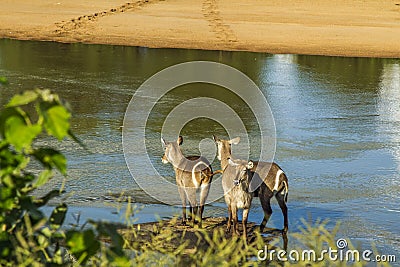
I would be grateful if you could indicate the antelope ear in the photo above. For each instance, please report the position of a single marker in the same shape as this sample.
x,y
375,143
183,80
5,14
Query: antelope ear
x,y
163,142
250,165
234,141
232,163
215,138
180,140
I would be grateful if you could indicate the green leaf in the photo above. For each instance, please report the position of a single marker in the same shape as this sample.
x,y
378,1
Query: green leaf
x,y
110,230
56,121
7,197
43,241
19,134
43,200
7,204
57,216
23,99
7,113
8,181
46,232
10,162
43,178
115,251
3,80
51,158
82,244
121,261
27,204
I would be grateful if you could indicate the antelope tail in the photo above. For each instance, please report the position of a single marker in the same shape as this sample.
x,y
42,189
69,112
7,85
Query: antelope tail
x,y
217,172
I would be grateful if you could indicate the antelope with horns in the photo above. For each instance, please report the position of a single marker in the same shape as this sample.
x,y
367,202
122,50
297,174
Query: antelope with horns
x,y
191,173
274,181
236,180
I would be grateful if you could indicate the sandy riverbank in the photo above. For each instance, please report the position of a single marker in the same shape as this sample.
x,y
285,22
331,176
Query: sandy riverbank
x,y
344,28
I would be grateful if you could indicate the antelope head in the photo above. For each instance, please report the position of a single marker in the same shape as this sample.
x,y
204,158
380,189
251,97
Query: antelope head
x,y
171,150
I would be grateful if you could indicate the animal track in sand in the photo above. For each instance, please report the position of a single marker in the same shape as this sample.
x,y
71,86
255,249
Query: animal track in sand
x,y
213,16
81,21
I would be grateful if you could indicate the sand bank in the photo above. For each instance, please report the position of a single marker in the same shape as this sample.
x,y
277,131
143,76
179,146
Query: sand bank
x,y
341,28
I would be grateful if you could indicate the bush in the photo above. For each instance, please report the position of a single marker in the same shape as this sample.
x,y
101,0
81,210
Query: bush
x,y
28,237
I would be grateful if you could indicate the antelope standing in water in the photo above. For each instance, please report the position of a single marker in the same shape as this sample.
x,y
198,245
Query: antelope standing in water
x,y
274,181
236,180
191,173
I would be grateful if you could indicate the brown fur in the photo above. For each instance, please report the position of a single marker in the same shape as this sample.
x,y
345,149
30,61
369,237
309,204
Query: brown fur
x,y
236,184
266,174
187,186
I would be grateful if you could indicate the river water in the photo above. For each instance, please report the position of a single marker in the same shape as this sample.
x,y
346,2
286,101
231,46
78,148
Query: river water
x,y
337,128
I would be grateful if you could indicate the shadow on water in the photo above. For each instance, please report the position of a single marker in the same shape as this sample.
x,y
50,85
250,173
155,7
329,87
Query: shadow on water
x,y
337,122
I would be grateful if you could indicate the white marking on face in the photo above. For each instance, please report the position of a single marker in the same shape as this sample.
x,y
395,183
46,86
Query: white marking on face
x,y
219,147
278,174
164,160
250,165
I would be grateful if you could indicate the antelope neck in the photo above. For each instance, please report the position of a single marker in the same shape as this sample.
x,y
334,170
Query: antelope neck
x,y
176,158
224,162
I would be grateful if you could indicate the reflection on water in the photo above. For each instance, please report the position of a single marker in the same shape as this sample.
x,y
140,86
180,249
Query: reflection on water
x,y
337,120
388,101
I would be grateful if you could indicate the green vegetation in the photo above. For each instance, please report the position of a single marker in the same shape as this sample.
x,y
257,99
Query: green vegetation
x,y
29,238
3,80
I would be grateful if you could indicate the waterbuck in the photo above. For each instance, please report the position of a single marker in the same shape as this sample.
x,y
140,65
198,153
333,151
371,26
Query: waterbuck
x,y
236,180
191,173
274,181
